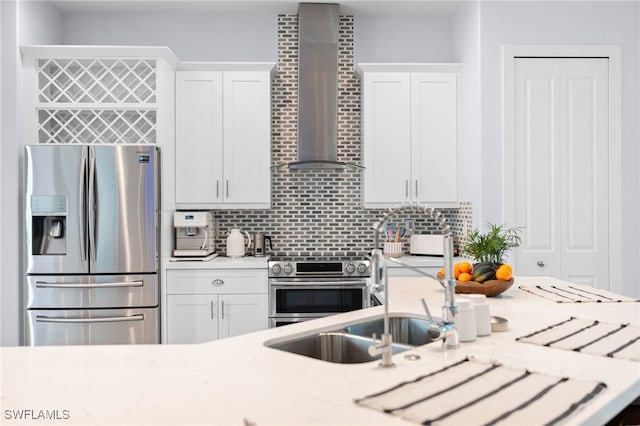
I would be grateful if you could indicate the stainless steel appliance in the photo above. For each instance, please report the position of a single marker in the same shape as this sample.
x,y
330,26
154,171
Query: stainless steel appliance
x,y
92,244
195,233
307,289
259,244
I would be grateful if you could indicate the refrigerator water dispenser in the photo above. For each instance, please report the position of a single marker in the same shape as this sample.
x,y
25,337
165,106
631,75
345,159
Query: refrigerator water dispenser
x,y
48,220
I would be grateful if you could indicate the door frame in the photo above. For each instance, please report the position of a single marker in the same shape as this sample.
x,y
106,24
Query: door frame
x,y
613,53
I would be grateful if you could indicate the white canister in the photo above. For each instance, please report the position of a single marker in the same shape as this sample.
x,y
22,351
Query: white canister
x,y
483,316
466,320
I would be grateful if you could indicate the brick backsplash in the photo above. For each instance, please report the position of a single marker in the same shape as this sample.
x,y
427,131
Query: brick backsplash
x,y
319,213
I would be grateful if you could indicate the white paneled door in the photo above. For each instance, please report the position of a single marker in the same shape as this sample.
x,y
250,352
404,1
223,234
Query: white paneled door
x,y
561,168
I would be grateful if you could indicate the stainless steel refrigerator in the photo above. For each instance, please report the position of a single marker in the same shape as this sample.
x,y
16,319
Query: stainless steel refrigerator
x,y
92,244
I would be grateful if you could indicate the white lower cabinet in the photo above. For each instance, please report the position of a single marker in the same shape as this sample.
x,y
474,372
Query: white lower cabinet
x,y
205,305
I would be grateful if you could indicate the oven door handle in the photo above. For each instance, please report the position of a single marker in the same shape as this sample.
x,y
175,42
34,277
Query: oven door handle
x,y
317,284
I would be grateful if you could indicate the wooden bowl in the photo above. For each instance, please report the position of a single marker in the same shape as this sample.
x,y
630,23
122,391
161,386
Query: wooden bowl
x,y
488,288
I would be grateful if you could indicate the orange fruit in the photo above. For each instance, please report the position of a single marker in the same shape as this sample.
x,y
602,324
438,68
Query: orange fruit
x,y
441,273
503,272
464,277
465,267
456,271
506,266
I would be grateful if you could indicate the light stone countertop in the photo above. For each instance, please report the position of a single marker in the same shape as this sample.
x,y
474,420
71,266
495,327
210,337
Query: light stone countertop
x,y
423,261
221,262
238,379
252,262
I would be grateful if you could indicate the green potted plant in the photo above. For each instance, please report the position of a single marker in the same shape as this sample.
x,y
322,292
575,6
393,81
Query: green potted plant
x,y
489,249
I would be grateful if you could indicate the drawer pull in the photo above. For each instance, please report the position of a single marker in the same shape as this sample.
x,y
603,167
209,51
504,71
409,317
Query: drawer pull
x,y
217,282
44,284
43,318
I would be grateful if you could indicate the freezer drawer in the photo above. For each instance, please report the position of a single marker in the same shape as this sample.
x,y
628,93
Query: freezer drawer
x,y
91,291
92,327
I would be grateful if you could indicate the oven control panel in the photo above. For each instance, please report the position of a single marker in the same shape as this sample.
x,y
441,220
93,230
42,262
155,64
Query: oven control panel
x,y
337,268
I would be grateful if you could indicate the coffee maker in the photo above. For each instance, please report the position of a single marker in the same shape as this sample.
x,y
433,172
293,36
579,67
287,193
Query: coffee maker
x,y
195,233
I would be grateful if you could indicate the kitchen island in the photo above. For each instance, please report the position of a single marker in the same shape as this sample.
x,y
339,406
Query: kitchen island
x,y
241,381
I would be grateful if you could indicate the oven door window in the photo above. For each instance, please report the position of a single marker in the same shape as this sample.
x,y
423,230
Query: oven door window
x,y
318,300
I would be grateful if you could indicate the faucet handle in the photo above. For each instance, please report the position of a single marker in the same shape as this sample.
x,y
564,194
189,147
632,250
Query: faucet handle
x,y
426,309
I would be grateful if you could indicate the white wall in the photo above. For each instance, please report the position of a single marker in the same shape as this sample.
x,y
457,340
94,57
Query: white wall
x,y
39,23
465,46
22,23
402,39
192,37
582,23
8,287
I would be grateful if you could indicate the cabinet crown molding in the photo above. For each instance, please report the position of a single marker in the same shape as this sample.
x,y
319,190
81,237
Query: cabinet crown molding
x,y
228,66
80,52
407,67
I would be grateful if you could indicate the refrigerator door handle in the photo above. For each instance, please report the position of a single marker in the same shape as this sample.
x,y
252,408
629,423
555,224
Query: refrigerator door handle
x,y
44,284
43,318
83,209
92,201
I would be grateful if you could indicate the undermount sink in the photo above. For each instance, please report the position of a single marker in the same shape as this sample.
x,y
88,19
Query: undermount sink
x,y
350,344
338,347
405,330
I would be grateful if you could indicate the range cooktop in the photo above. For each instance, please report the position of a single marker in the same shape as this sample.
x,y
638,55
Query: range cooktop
x,y
284,267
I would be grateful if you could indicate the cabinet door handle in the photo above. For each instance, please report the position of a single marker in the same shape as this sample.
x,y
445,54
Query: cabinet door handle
x,y
227,189
222,309
217,189
416,189
217,282
406,189
213,314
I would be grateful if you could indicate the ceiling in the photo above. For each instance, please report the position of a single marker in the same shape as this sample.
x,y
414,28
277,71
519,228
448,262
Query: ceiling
x,y
252,7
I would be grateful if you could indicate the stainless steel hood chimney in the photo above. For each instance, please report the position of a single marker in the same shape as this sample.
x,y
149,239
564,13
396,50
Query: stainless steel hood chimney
x,y
318,87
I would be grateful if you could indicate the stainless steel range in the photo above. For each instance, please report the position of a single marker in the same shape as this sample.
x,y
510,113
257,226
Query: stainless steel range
x,y
301,290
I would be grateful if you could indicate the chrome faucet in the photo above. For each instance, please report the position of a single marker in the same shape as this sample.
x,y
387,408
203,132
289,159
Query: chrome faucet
x,y
446,328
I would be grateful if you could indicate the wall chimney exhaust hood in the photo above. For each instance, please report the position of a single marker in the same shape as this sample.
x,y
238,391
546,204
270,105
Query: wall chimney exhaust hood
x,y
318,87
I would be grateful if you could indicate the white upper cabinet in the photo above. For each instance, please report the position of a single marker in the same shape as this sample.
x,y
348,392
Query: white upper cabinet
x,y
410,134
246,135
198,136
223,138
386,132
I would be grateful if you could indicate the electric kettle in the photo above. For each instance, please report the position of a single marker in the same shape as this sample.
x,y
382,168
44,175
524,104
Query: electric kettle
x,y
259,244
236,245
